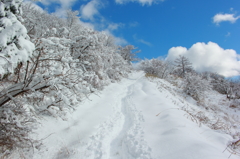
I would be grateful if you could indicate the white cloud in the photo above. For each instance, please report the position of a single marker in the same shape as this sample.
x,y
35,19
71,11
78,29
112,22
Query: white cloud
x,y
89,10
60,10
141,41
209,57
218,18
114,26
66,4
142,2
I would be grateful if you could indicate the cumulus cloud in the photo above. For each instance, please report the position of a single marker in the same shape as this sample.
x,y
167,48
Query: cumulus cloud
x,y
89,10
142,2
218,18
209,57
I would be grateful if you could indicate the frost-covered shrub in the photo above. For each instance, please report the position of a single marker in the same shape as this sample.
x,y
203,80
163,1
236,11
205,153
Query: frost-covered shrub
x,y
128,54
222,85
219,83
233,91
157,67
99,60
58,74
195,86
15,125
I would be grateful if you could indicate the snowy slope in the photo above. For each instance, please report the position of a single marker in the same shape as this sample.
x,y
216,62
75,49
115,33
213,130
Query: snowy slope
x,y
128,120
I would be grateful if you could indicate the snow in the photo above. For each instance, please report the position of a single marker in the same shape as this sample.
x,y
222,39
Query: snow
x,y
131,119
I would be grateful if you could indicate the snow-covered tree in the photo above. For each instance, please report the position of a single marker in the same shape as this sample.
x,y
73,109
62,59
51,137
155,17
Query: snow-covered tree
x,y
128,53
73,23
182,66
195,85
236,88
156,67
15,46
235,93
219,83
98,58
15,50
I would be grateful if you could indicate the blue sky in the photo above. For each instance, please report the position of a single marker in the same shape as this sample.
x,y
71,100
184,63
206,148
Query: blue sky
x,y
156,26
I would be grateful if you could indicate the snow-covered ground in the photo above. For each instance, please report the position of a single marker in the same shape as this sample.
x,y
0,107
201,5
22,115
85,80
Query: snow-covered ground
x,y
132,119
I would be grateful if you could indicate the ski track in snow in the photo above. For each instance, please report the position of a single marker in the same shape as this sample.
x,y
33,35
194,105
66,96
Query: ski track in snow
x,y
122,132
130,141
122,124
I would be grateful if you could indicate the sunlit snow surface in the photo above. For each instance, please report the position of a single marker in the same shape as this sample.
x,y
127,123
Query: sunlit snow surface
x,y
132,119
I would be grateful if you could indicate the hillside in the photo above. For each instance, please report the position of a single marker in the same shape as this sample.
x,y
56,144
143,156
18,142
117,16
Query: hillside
x,y
135,118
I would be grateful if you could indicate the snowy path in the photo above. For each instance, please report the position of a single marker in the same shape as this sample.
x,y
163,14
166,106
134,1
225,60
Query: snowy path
x,y
132,119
